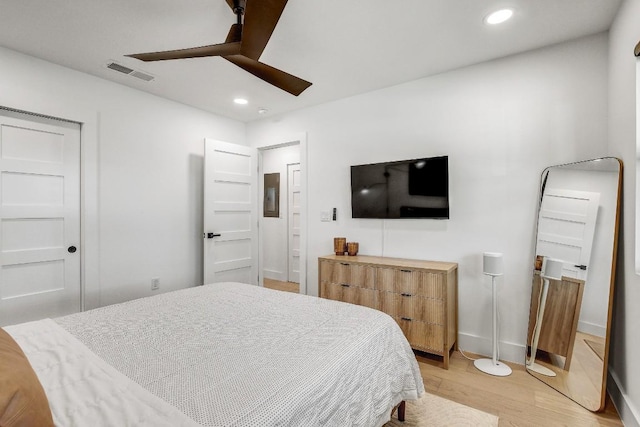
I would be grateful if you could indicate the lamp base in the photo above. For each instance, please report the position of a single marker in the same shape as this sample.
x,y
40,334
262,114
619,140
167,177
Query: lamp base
x,y
539,369
498,369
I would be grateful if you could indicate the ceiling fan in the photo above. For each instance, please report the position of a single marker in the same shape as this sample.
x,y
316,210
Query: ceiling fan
x,y
247,38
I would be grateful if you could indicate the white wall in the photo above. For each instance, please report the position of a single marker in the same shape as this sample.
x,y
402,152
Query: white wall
x,y
275,237
149,173
501,123
625,345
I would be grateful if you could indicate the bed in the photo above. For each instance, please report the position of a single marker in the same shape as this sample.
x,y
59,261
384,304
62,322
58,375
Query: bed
x,y
225,354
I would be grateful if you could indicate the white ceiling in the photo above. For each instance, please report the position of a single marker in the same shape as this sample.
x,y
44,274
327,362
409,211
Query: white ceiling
x,y
343,47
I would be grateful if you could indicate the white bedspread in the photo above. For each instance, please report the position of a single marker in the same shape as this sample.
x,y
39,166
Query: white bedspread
x,y
82,389
231,354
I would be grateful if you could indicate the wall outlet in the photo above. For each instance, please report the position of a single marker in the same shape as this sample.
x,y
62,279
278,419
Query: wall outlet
x,y
155,283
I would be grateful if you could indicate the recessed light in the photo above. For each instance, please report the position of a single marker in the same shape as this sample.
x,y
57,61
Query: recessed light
x,y
241,101
498,17
262,111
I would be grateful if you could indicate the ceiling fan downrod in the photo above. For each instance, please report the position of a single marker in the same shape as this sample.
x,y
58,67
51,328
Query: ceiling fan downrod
x,y
238,9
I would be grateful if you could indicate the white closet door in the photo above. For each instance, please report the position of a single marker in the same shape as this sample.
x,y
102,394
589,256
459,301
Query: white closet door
x,y
566,226
39,218
293,185
230,207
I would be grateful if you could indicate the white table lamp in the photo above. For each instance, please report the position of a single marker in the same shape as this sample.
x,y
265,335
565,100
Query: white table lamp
x,y
493,266
551,269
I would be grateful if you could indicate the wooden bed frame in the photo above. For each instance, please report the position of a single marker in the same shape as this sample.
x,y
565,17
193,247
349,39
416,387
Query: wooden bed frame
x,y
401,408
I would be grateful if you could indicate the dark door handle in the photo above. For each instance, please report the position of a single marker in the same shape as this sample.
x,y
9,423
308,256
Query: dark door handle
x,y
212,235
581,267
71,249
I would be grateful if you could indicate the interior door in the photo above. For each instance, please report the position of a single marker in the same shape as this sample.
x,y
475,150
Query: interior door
x,y
566,227
230,207
293,186
39,218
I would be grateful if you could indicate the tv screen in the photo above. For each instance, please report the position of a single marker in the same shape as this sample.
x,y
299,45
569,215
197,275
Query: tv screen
x,y
417,188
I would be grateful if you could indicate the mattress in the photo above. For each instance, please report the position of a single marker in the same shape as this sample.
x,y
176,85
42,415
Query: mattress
x,y
225,354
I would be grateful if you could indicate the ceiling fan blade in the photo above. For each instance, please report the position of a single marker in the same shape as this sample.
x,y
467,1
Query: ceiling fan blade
x,y
260,19
221,49
285,81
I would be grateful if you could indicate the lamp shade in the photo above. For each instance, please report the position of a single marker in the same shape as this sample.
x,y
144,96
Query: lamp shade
x,y
492,264
552,268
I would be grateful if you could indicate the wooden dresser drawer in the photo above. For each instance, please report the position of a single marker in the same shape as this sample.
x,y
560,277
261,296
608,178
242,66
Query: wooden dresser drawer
x,y
340,273
422,335
414,307
351,294
413,282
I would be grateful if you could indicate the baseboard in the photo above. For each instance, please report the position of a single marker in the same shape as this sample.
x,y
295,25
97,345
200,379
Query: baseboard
x,y
509,352
628,413
592,329
274,275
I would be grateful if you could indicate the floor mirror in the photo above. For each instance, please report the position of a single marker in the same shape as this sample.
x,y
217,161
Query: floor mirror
x,y
573,278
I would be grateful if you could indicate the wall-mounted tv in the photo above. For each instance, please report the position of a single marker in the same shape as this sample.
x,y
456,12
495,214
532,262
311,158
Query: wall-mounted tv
x,y
417,188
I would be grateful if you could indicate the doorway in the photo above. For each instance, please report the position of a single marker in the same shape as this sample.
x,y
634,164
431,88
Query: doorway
x,y
282,255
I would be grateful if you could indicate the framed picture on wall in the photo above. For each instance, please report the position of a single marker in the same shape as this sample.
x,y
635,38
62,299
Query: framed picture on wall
x,y
271,207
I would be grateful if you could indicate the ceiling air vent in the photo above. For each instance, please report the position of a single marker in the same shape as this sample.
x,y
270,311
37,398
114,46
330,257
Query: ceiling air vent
x,y
130,71
142,76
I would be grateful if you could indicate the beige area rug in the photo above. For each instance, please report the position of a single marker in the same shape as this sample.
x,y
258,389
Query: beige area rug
x,y
435,411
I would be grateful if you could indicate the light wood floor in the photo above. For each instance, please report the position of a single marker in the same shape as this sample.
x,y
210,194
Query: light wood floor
x,y
518,400
282,286
583,380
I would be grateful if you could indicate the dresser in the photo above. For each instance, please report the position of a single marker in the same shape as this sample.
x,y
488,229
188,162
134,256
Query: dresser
x,y
421,296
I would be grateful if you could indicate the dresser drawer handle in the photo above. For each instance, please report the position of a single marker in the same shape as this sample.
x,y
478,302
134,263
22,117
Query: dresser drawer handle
x,y
344,263
406,295
345,285
406,271
407,319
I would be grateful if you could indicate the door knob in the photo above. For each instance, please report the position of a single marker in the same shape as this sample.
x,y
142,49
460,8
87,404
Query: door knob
x,y
212,235
71,249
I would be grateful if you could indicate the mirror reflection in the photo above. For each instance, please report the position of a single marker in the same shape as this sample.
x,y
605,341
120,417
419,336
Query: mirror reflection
x,y
571,299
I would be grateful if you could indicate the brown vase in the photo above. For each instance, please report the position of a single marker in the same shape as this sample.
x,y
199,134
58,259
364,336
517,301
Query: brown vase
x,y
352,248
339,245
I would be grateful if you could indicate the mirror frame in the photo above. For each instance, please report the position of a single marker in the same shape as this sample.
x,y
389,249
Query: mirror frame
x,y
616,232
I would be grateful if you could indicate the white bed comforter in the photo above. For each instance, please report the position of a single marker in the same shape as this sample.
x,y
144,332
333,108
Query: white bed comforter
x,y
82,389
228,354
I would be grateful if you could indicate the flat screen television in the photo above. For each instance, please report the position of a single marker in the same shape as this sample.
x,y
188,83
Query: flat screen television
x,y
417,188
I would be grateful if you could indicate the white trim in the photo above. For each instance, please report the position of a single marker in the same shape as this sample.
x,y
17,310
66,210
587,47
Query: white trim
x,y
508,351
592,329
301,139
636,167
629,414
89,178
274,275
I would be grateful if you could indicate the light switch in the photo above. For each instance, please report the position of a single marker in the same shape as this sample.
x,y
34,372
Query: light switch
x,y
325,216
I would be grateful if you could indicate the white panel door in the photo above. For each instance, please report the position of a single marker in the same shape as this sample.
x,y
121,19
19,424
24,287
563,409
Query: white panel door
x,y
39,218
293,186
230,206
566,226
